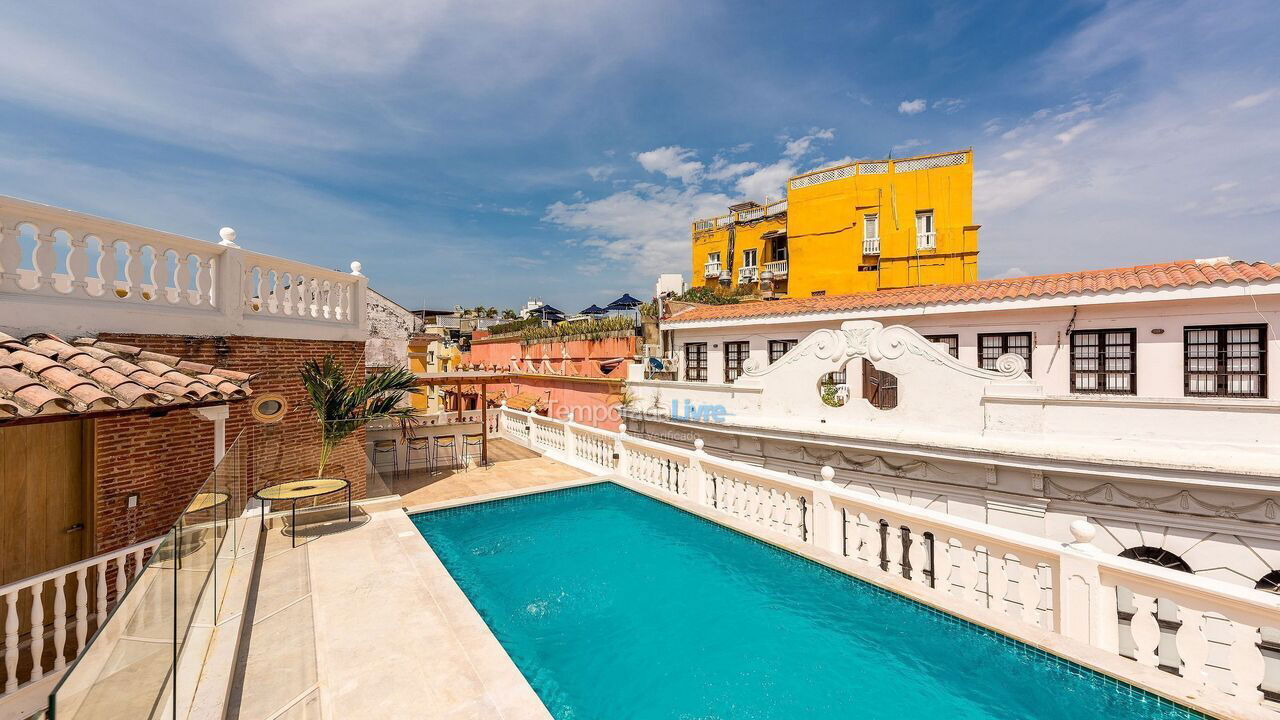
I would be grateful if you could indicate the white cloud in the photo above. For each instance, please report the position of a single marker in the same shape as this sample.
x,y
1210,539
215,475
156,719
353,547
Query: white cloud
x,y
913,107
722,169
769,180
600,172
1013,272
1254,100
673,161
1075,131
949,105
909,144
643,230
799,147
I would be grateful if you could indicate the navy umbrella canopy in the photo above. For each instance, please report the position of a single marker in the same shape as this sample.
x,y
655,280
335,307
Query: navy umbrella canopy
x,y
626,302
546,312
593,309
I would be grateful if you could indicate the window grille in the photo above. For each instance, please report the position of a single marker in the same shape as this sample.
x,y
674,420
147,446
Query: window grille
x,y
1104,361
1225,360
735,353
695,362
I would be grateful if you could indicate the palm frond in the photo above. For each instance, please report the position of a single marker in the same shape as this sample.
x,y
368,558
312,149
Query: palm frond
x,y
343,404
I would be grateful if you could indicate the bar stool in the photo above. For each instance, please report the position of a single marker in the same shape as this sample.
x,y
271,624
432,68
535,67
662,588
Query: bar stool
x,y
421,445
470,442
383,448
441,445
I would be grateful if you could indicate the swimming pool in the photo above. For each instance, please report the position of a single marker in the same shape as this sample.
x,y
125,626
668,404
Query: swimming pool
x,y
615,605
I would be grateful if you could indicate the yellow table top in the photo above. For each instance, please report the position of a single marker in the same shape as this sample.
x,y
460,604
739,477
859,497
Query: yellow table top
x,y
206,500
297,489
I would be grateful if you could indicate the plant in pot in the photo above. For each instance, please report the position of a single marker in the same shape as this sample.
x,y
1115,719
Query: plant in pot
x,y
344,403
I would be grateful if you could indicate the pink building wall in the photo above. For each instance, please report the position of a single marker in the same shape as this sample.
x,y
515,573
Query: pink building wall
x,y
573,377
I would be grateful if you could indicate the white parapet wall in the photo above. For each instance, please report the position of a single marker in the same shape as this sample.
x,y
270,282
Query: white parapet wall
x,y
1197,640
70,273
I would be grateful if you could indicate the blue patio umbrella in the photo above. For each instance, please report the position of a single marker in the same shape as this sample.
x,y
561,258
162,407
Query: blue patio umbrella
x,y
626,302
546,312
593,310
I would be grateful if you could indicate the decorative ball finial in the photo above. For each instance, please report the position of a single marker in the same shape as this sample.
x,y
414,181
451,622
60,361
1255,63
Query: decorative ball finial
x,y
698,445
1083,531
228,236
828,473
622,428
356,267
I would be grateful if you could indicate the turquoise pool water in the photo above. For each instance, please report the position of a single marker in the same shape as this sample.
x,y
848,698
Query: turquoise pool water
x,y
615,606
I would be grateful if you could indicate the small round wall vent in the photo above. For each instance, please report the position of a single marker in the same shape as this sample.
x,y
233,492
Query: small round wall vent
x,y
269,408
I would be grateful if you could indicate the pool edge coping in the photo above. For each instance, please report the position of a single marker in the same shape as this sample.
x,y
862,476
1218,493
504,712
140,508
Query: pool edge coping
x,y
1115,667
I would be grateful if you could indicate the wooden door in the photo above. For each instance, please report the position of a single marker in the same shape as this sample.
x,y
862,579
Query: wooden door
x,y
44,498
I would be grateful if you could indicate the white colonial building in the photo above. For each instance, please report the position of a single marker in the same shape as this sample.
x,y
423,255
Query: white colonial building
x,y
1136,398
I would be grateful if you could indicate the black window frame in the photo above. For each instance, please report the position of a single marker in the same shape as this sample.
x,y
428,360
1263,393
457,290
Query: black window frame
x,y
952,342
983,360
695,364
778,348
734,360
1222,373
1101,373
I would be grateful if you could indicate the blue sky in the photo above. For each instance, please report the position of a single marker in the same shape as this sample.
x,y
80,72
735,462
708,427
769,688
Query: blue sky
x,y
483,153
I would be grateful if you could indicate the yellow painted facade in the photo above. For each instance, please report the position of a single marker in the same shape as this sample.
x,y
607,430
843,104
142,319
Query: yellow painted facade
x,y
428,353
865,226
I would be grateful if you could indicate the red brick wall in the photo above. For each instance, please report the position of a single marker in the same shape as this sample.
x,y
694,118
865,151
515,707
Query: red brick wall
x,y
166,459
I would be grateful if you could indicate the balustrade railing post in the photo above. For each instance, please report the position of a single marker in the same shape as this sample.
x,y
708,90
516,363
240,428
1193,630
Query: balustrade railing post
x,y
621,451
359,285
570,440
1083,609
230,281
824,530
697,476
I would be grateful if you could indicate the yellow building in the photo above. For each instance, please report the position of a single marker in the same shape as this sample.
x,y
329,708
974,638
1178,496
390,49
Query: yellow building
x,y
864,226
429,352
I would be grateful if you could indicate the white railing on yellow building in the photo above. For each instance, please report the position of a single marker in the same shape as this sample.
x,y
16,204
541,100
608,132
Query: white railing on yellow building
x,y
752,214
880,167
748,274
711,269
1029,584
777,267
871,246
927,241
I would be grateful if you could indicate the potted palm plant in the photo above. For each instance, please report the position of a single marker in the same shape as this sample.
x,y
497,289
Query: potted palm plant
x,y
344,404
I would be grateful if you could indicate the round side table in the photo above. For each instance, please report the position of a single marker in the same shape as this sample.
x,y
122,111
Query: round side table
x,y
296,490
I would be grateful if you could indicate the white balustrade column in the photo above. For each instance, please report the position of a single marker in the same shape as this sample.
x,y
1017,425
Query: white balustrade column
x,y
359,285
697,476
570,439
825,532
621,450
1081,609
230,283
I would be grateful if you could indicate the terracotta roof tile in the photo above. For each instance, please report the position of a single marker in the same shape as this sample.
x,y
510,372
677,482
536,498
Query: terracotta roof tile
x,y
1186,273
44,375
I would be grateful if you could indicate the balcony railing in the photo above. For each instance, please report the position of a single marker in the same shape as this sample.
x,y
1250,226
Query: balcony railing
x,y
748,274
187,285
871,246
57,611
777,267
1035,585
752,214
711,269
927,241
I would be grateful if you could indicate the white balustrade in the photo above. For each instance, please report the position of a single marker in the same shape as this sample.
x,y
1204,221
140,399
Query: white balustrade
x,y
45,598
777,267
1223,638
93,265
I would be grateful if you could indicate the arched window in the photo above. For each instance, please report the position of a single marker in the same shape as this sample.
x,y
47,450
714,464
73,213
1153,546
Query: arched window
x,y
1156,556
1269,582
